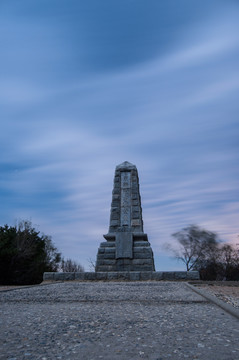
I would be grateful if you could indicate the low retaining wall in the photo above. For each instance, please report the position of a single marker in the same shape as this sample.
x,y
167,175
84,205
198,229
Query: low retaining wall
x,y
122,275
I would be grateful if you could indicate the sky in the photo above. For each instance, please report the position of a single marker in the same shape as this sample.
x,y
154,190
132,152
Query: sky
x,y
86,85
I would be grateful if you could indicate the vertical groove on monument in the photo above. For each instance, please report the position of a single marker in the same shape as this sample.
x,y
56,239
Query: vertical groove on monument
x,y
127,247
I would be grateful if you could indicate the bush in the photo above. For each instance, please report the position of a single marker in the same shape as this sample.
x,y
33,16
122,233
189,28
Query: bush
x,y
25,254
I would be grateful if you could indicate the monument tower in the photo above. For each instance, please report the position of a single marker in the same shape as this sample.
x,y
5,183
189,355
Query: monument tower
x,y
126,247
126,254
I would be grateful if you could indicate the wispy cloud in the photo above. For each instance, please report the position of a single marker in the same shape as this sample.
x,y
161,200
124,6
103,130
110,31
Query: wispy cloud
x,y
173,113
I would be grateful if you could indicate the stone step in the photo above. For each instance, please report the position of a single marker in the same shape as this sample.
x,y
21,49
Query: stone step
x,y
107,244
141,243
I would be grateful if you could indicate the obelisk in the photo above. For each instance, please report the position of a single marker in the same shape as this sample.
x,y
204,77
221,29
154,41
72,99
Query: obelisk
x,y
126,247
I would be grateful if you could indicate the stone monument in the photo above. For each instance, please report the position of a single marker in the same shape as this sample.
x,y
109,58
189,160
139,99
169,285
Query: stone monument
x,y
126,247
126,254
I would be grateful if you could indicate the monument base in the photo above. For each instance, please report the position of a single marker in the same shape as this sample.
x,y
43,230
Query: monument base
x,y
122,275
139,256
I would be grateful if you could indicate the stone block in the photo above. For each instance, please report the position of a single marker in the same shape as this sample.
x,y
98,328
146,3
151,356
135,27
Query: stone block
x,y
143,250
124,261
116,191
135,222
64,276
141,268
101,276
115,203
99,262
70,276
123,267
101,250
109,262
112,275
123,275
108,256
157,275
138,229
114,223
110,250
134,275
112,268
48,276
90,276
106,262
135,215
59,276
107,244
180,275
193,275
114,217
141,243
146,267
146,275
142,261
124,245
79,276
168,275
115,197
102,268
143,255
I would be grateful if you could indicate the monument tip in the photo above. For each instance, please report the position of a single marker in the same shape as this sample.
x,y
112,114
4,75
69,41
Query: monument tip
x,y
126,165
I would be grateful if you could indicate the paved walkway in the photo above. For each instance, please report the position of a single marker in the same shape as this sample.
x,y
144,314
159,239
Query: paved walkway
x,y
117,320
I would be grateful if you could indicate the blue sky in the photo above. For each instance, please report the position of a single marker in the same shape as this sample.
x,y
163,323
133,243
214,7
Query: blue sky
x,y
86,85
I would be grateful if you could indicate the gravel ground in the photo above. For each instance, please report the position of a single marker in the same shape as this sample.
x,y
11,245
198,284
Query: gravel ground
x,y
228,294
117,320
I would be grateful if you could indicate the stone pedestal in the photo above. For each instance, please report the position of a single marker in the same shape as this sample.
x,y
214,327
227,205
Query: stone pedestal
x,y
126,247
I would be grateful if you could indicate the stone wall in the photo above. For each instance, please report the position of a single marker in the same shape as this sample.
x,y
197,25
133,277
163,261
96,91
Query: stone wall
x,y
123,275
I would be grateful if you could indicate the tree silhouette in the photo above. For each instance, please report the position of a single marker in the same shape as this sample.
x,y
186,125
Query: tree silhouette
x,y
25,254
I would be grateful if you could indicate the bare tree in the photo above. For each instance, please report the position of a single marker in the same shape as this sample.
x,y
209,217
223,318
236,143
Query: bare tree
x,y
200,250
195,246
92,264
69,265
229,262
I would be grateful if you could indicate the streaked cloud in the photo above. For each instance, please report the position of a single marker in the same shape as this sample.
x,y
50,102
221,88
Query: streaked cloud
x,y
72,109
